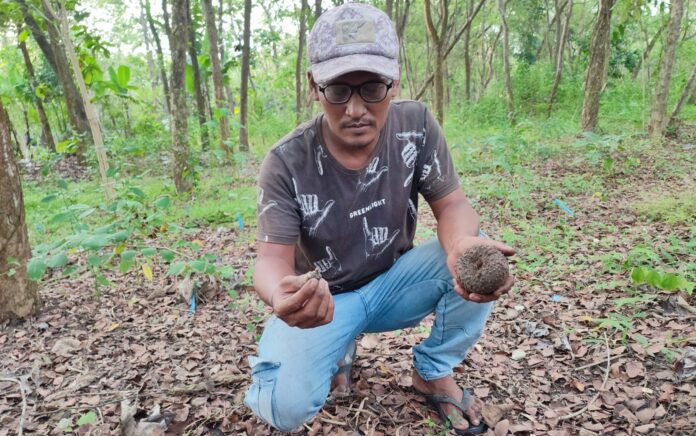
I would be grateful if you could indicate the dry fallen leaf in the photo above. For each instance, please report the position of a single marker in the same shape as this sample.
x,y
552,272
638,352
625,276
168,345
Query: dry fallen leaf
x,y
492,413
66,347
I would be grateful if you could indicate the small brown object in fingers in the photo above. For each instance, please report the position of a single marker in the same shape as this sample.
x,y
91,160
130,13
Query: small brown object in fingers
x,y
315,274
482,270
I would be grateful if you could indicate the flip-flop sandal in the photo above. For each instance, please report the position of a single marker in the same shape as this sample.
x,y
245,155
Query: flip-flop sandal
x,y
345,365
435,401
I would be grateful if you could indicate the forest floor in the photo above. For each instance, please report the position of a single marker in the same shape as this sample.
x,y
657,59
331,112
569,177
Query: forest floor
x,y
576,348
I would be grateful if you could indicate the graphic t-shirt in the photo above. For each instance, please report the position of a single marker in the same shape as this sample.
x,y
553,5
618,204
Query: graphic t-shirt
x,y
353,224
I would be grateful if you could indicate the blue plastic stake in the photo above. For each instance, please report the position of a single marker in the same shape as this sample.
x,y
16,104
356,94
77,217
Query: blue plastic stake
x,y
556,297
192,307
240,221
564,207
483,234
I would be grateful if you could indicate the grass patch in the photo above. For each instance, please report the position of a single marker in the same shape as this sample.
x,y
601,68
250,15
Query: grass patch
x,y
668,207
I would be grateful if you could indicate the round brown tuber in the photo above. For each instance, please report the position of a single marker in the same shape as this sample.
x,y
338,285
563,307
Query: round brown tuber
x,y
482,270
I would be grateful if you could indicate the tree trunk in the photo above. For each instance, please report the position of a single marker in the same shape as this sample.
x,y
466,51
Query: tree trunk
x,y
506,62
299,73
687,93
244,86
389,8
45,126
559,59
151,68
19,296
198,90
648,49
160,56
86,98
438,40
596,70
180,148
467,53
213,46
317,9
658,120
58,61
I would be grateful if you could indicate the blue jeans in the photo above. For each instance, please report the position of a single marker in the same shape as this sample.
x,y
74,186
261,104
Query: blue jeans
x,y
293,370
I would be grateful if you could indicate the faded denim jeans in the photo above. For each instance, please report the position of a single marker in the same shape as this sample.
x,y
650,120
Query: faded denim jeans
x,y
293,370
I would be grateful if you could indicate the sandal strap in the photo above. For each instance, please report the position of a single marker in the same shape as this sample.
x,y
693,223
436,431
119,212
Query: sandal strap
x,y
461,405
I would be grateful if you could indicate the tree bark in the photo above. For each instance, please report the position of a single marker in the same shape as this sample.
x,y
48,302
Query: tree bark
x,y
19,296
198,90
317,9
438,38
506,62
160,56
45,126
596,70
180,148
151,68
559,59
687,93
217,74
244,86
658,120
86,97
299,73
389,8
467,53
58,61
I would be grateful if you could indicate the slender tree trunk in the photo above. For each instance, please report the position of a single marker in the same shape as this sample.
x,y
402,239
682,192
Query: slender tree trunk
x,y
198,91
217,74
299,73
559,58
244,86
160,55
389,8
467,53
180,148
86,98
19,296
50,47
151,68
658,120
437,38
596,70
688,92
506,62
648,49
45,126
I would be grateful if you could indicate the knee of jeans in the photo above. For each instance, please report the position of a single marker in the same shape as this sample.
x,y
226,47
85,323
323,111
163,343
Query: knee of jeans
x,y
259,396
436,254
284,412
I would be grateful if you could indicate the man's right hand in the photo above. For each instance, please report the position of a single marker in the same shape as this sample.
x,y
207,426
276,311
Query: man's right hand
x,y
303,303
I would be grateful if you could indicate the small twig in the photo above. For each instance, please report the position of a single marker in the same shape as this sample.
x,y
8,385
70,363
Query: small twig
x,y
20,431
604,383
590,365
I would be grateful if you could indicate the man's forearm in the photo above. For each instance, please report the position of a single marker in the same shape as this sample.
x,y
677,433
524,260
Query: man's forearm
x,y
455,222
268,272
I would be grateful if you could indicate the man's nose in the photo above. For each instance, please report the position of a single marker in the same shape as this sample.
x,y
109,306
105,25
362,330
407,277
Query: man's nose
x,y
355,108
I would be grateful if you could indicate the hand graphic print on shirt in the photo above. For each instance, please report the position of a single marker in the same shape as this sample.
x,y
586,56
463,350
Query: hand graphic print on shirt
x,y
329,266
318,156
260,207
433,168
409,153
412,211
377,239
312,215
372,174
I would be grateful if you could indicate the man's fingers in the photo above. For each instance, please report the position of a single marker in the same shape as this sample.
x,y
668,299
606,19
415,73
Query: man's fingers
x,y
297,300
505,249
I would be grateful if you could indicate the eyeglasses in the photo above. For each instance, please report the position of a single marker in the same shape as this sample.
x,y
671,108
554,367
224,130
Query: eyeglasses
x,y
370,92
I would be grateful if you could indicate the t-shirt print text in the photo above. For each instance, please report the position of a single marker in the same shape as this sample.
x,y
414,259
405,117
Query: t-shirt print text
x,y
369,207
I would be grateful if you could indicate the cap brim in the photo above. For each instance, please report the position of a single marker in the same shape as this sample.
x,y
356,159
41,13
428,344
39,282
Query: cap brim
x,y
328,70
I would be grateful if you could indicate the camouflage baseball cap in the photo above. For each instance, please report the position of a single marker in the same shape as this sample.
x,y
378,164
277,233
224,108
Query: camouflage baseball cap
x,y
353,37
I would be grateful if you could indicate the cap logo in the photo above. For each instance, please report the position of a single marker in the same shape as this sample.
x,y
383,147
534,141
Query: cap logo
x,y
355,31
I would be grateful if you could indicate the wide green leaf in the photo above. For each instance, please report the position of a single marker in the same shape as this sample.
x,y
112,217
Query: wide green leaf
x,y
176,268
58,260
36,269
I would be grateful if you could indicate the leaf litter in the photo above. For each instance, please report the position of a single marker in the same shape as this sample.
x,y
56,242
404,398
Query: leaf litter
x,y
133,361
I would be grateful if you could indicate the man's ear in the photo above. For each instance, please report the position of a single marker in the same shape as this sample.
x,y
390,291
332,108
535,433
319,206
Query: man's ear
x,y
313,87
396,87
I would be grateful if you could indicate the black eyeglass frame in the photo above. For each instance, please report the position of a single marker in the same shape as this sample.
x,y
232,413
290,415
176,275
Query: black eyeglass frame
x,y
358,88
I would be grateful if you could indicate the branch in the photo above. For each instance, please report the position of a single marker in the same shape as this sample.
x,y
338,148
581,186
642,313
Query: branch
x,y
20,430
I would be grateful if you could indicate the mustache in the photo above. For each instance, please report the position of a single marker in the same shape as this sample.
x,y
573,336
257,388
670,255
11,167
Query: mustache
x,y
361,123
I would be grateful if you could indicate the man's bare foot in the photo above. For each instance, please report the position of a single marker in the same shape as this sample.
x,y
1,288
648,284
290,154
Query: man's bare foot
x,y
341,382
446,386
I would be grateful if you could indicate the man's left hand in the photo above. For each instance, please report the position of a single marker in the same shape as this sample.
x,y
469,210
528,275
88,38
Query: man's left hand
x,y
463,245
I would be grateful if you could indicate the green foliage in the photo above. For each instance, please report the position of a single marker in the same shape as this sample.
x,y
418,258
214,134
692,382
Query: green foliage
x,y
669,207
659,280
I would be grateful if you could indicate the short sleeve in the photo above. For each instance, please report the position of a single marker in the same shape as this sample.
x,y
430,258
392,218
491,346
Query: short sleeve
x,y
436,176
277,212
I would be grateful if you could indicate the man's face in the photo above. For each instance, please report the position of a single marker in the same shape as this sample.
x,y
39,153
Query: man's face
x,y
356,123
